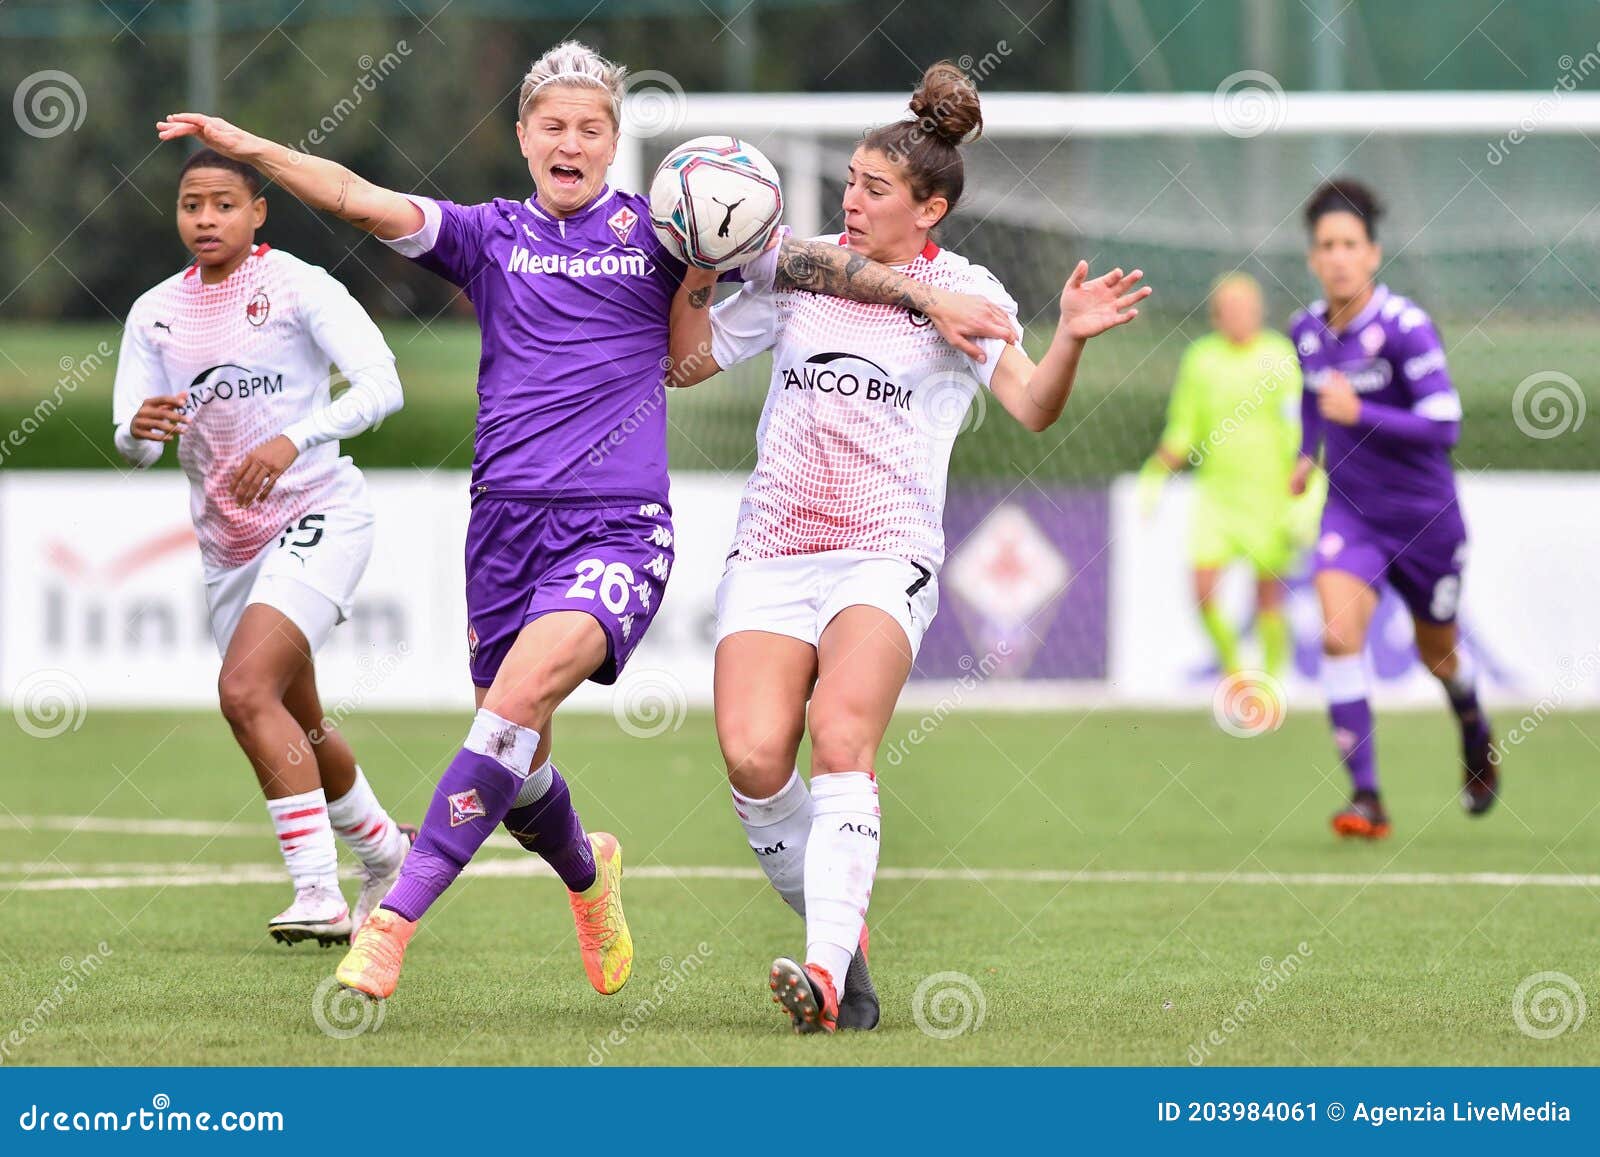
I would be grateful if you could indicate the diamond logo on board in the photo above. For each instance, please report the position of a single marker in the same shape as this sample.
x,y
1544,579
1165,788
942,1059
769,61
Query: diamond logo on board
x,y
1008,569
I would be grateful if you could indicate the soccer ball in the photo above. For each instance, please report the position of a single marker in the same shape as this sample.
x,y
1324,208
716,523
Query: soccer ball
x,y
714,202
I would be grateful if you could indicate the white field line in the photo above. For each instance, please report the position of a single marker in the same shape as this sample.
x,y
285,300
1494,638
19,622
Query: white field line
x,y
202,829
68,877
79,877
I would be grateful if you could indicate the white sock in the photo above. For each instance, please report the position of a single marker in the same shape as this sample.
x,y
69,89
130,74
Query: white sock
x,y
1464,681
537,785
359,820
1344,678
777,828
306,839
841,862
510,744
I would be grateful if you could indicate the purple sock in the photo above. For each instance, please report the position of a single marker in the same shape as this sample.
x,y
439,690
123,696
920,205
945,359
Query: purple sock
x,y
1352,733
472,797
550,826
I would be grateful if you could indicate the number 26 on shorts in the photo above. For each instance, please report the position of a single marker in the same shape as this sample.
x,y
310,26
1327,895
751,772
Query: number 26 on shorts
x,y
615,580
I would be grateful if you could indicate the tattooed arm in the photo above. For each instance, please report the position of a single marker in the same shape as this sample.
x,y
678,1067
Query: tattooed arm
x,y
689,358
823,267
320,183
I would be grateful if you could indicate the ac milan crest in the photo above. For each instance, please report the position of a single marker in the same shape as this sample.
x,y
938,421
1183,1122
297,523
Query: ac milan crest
x,y
260,305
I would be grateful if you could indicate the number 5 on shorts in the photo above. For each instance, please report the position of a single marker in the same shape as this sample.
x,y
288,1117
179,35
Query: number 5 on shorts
x,y
615,580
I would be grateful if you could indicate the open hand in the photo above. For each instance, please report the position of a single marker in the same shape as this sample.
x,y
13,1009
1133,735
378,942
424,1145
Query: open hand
x,y
227,139
1089,308
961,318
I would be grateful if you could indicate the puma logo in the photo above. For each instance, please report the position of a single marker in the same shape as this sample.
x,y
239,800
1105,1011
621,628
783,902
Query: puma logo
x,y
163,325
727,217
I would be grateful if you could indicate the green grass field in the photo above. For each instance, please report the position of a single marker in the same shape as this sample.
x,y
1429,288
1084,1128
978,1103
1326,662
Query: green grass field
x,y
1169,863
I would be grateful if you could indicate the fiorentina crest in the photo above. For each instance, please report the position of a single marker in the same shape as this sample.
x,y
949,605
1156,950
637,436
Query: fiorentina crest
x,y
465,806
622,223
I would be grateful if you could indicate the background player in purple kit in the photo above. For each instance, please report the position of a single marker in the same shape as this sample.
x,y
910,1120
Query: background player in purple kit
x,y
570,541
1379,403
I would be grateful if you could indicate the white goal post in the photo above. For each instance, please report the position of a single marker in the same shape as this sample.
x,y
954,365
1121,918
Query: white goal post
x,y
1247,105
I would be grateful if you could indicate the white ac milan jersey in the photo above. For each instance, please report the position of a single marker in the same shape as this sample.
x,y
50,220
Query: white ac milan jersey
x,y
865,403
253,354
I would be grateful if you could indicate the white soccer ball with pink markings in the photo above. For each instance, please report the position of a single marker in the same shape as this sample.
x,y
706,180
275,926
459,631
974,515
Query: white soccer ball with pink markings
x,y
714,202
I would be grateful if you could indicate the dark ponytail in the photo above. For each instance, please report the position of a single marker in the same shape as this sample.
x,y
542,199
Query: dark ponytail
x,y
944,115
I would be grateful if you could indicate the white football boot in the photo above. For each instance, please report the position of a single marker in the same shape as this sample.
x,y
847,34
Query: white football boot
x,y
376,880
318,913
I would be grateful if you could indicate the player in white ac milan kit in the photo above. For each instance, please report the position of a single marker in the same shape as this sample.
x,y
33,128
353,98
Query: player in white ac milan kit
x,y
832,579
231,357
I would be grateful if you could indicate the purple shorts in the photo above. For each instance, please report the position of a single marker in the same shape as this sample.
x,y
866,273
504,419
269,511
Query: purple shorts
x,y
527,558
1423,564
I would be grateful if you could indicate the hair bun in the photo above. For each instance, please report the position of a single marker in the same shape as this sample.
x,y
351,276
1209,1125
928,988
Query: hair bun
x,y
946,104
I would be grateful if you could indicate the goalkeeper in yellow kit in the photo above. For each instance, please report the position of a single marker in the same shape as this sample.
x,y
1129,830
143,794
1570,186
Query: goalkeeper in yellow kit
x,y
1234,417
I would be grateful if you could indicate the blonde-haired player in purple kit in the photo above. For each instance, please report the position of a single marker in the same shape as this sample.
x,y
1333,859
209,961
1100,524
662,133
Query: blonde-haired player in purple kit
x,y
1379,405
568,550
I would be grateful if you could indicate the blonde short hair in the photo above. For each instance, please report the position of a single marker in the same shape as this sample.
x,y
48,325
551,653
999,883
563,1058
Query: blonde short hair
x,y
571,64
1238,279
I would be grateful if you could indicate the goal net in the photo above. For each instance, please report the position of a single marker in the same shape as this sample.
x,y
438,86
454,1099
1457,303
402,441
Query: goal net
x,y
1490,226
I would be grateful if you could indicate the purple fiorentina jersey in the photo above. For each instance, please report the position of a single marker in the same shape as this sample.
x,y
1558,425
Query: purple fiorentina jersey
x,y
1392,356
573,312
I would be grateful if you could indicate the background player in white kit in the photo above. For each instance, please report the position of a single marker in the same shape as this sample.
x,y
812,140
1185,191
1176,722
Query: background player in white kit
x,y
831,581
231,357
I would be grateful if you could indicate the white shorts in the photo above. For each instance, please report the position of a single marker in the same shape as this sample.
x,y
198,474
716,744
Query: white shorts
x,y
309,572
798,595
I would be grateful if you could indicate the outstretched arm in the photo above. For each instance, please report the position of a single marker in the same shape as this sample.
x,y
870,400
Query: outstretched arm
x,y
689,356
1035,395
822,267
320,183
